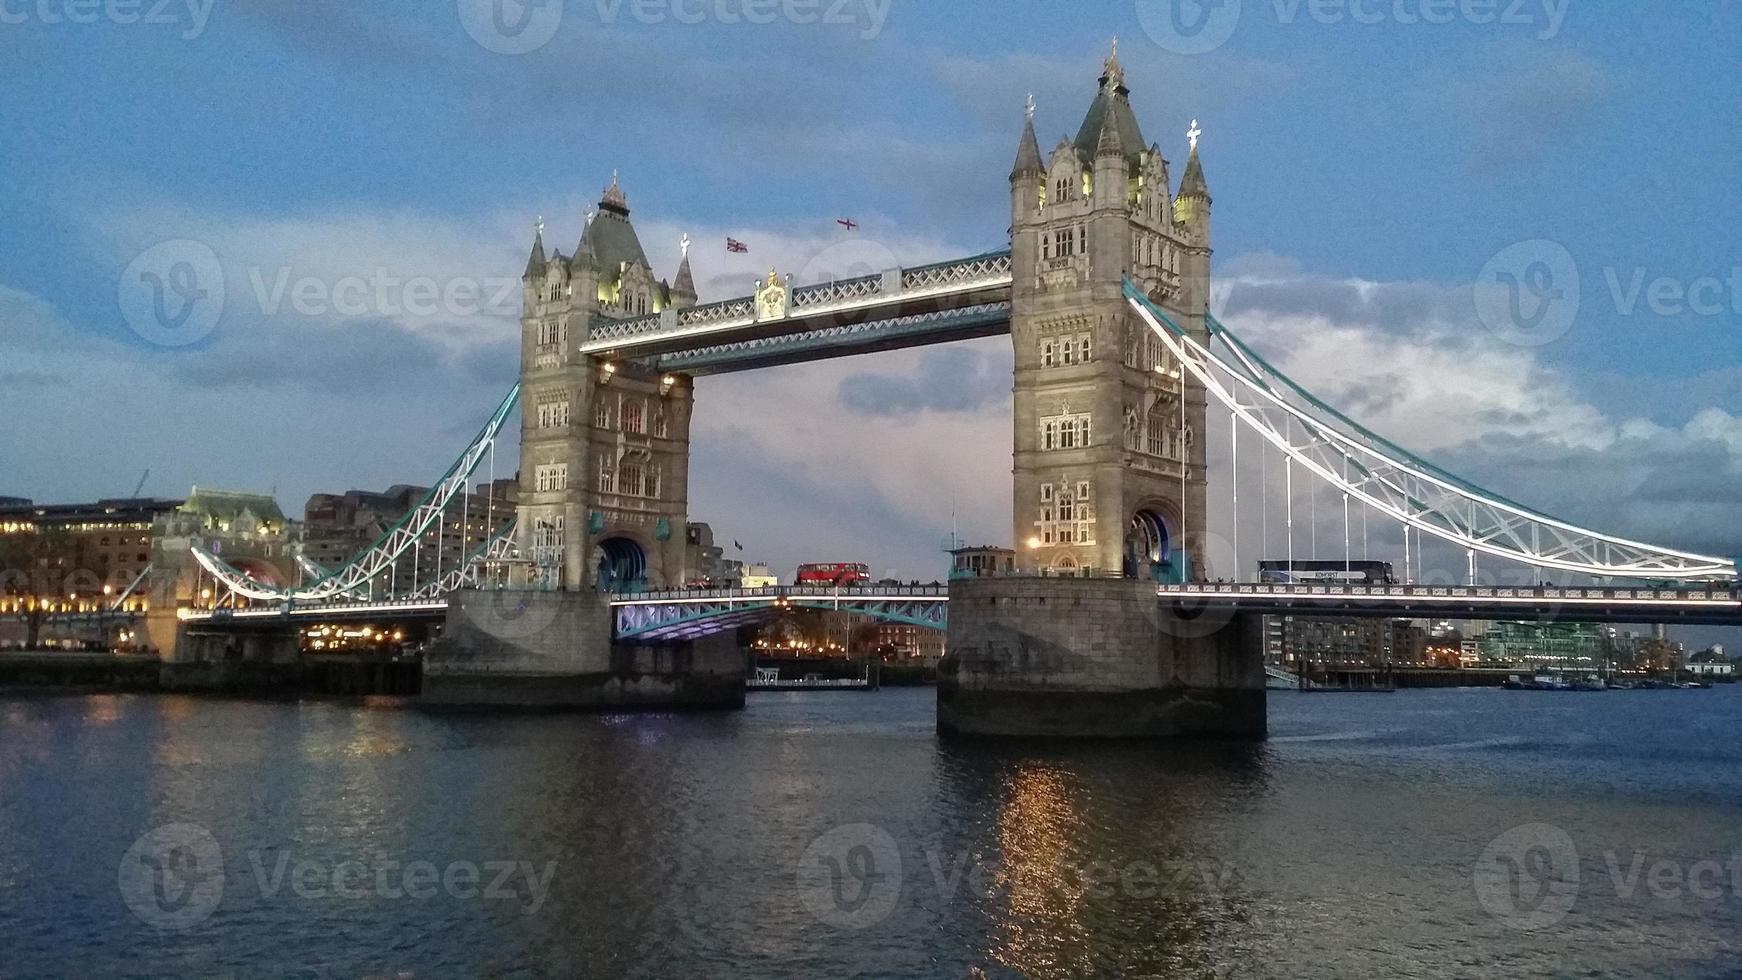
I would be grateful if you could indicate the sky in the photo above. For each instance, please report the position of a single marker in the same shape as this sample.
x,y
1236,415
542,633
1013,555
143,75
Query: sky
x,y
364,180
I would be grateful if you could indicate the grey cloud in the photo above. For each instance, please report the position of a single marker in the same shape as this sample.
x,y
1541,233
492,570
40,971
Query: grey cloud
x,y
947,380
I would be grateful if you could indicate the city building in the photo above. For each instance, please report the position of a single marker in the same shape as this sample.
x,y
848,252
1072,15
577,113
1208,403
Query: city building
x,y
92,558
905,643
1567,646
96,546
708,566
758,576
1344,643
982,561
1712,663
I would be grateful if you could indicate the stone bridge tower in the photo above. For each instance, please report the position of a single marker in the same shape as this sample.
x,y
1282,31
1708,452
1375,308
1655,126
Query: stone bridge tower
x,y
604,473
1109,441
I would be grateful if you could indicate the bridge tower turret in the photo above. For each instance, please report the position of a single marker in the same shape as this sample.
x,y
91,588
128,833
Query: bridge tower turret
x,y
1109,449
604,475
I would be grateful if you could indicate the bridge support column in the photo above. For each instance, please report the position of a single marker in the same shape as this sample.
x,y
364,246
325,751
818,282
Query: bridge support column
x,y
1095,658
521,649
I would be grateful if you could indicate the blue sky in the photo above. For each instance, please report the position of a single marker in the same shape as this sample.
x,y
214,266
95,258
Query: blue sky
x,y
1364,174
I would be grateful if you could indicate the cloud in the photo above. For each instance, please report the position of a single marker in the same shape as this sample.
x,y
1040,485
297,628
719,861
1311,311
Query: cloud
x,y
950,379
1518,99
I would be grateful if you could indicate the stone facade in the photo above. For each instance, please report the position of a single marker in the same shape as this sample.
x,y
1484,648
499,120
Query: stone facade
x,y
604,465
1032,656
1109,454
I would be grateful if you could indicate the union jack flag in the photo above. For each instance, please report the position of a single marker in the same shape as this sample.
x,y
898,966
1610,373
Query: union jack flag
x,y
734,245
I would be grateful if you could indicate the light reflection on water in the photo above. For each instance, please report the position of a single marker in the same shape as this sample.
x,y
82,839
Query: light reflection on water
x,y
1344,846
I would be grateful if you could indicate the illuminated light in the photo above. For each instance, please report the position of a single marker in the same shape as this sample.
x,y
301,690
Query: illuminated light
x,y
1034,542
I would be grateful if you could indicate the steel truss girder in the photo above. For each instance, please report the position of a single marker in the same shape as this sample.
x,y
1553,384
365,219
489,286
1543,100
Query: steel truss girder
x,y
845,298
380,557
686,615
938,326
1396,483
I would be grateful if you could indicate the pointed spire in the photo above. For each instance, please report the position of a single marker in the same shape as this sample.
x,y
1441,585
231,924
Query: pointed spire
x,y
613,199
1113,73
535,262
1110,143
685,283
1028,149
1192,183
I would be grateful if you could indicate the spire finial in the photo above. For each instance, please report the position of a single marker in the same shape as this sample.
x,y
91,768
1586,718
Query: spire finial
x,y
613,196
684,245
1112,75
1030,107
538,226
1193,133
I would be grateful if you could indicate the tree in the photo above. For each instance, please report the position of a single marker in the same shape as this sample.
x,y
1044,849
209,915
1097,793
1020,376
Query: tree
x,y
33,575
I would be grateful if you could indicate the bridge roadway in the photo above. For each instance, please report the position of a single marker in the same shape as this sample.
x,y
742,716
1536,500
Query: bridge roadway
x,y
690,613
1716,605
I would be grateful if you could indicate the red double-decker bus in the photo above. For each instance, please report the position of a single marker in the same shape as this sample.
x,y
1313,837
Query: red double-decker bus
x,y
837,573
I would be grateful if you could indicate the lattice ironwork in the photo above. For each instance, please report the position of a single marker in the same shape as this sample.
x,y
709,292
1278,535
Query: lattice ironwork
x,y
690,614
845,297
1395,482
379,558
499,547
704,359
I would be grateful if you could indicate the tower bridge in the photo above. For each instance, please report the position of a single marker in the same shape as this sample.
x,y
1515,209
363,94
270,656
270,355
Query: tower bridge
x,y
1118,363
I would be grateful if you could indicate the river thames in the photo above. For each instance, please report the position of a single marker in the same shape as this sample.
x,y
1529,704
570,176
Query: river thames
x,y
1418,834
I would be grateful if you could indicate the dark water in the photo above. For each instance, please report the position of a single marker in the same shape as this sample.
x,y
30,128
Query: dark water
x,y
824,835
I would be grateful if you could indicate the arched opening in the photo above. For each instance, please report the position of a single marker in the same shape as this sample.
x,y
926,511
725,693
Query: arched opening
x,y
621,565
1149,550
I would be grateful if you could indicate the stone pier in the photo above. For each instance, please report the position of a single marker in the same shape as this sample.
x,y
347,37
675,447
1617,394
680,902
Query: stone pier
x,y
528,649
1095,658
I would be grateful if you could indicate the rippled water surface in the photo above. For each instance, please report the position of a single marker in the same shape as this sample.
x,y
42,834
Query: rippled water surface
x,y
1417,834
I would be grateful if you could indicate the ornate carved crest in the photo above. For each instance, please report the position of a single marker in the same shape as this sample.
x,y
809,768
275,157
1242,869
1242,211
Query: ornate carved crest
x,y
771,298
